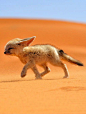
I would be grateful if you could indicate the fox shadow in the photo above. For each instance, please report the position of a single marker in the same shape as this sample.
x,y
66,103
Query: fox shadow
x,y
22,80
65,89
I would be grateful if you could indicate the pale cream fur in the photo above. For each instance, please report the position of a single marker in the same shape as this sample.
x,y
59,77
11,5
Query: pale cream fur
x,y
38,54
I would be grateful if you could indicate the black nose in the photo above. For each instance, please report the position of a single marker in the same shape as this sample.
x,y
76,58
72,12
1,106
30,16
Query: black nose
x,y
5,52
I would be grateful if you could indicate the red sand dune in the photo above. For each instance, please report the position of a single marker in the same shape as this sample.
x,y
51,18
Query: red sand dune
x,y
53,94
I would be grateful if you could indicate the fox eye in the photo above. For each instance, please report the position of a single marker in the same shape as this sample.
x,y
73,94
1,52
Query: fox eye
x,y
18,44
10,48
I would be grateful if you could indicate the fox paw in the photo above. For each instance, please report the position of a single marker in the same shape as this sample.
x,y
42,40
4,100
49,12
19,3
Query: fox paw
x,y
66,77
38,77
23,74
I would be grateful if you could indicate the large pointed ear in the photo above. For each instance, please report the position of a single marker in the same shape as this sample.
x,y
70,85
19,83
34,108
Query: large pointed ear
x,y
27,41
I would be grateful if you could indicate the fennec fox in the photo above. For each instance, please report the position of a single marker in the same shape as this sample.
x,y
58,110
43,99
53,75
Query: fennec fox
x,y
38,54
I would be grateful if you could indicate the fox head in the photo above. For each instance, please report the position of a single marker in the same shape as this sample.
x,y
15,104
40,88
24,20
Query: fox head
x,y
15,46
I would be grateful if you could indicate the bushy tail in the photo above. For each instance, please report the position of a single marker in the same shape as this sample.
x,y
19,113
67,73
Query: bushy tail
x,y
69,58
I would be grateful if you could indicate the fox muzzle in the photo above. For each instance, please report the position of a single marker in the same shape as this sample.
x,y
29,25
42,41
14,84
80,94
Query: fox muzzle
x,y
5,52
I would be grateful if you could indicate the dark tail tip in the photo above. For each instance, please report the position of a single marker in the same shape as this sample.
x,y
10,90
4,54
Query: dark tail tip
x,y
80,64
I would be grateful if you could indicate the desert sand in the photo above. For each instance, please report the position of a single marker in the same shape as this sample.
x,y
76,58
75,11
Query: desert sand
x,y
52,94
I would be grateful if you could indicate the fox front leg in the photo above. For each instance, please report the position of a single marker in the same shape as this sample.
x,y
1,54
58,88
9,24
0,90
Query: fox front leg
x,y
36,72
46,68
30,64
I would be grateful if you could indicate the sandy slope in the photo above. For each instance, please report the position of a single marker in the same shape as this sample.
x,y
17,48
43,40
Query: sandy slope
x,y
52,95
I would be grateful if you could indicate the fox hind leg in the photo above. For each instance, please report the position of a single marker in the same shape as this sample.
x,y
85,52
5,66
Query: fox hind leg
x,y
65,70
64,67
55,60
58,63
